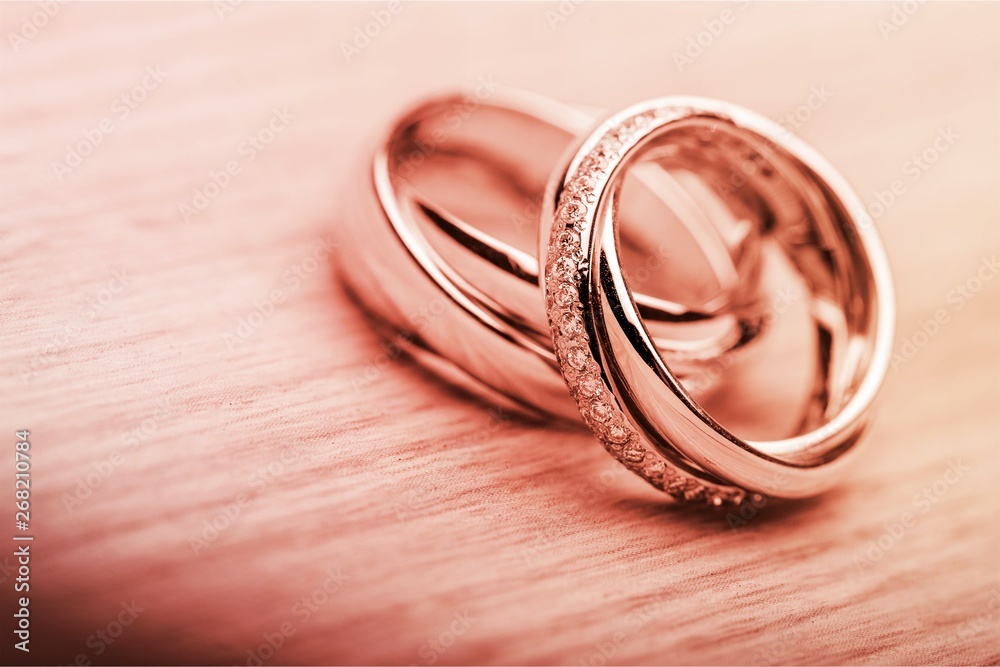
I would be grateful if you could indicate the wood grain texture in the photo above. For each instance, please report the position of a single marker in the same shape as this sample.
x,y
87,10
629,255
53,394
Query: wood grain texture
x,y
376,515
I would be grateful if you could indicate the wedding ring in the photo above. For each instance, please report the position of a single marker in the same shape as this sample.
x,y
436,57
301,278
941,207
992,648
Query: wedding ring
x,y
810,221
464,297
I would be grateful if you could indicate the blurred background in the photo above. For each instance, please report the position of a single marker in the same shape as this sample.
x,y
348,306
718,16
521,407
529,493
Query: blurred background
x,y
228,466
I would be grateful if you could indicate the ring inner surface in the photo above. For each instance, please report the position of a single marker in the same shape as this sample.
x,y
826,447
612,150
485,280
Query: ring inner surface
x,y
476,173
821,308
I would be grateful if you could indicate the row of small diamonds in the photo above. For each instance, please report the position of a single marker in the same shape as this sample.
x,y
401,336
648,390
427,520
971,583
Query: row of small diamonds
x,y
563,282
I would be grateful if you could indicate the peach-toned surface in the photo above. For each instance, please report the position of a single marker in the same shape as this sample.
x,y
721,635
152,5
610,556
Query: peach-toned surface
x,y
376,516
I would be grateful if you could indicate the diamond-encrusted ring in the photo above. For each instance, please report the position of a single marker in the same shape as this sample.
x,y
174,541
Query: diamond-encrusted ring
x,y
625,391
441,250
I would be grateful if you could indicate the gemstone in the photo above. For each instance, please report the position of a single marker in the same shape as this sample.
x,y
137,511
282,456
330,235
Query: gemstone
x,y
565,345
596,164
570,375
571,324
675,486
572,209
584,183
610,150
693,490
601,411
563,267
618,434
567,242
655,469
564,296
633,455
577,358
590,386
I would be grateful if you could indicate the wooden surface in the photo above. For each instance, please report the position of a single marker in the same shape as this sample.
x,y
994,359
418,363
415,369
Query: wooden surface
x,y
418,526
